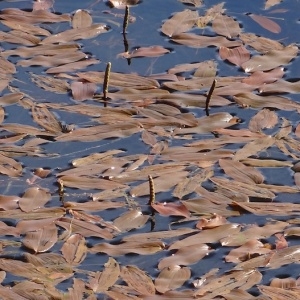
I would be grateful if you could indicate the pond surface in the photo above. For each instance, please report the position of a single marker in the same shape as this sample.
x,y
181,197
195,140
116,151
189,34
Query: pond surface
x,y
77,214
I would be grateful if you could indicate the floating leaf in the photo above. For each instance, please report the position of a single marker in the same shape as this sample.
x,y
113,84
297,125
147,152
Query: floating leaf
x,y
171,278
240,172
201,41
271,60
86,229
171,209
76,34
224,284
263,119
180,22
266,23
81,19
74,249
138,280
42,4
41,240
152,51
83,90
142,248
237,55
107,278
9,166
225,25
185,256
131,220
34,198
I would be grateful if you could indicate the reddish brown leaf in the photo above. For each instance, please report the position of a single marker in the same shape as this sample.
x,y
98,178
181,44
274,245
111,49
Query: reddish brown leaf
x,y
42,239
74,249
138,280
171,209
266,23
237,55
83,90
34,198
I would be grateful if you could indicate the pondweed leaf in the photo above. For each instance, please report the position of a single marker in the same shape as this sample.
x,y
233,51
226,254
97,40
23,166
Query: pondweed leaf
x,y
224,284
171,209
74,250
81,19
260,43
226,26
102,281
271,60
237,55
152,51
201,41
33,17
171,278
138,280
266,23
142,248
185,256
34,198
43,4
260,78
240,172
83,90
84,228
132,219
42,239
180,22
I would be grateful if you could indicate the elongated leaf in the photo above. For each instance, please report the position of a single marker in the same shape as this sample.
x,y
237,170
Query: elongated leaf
x,y
185,256
142,248
266,23
84,228
240,172
171,209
